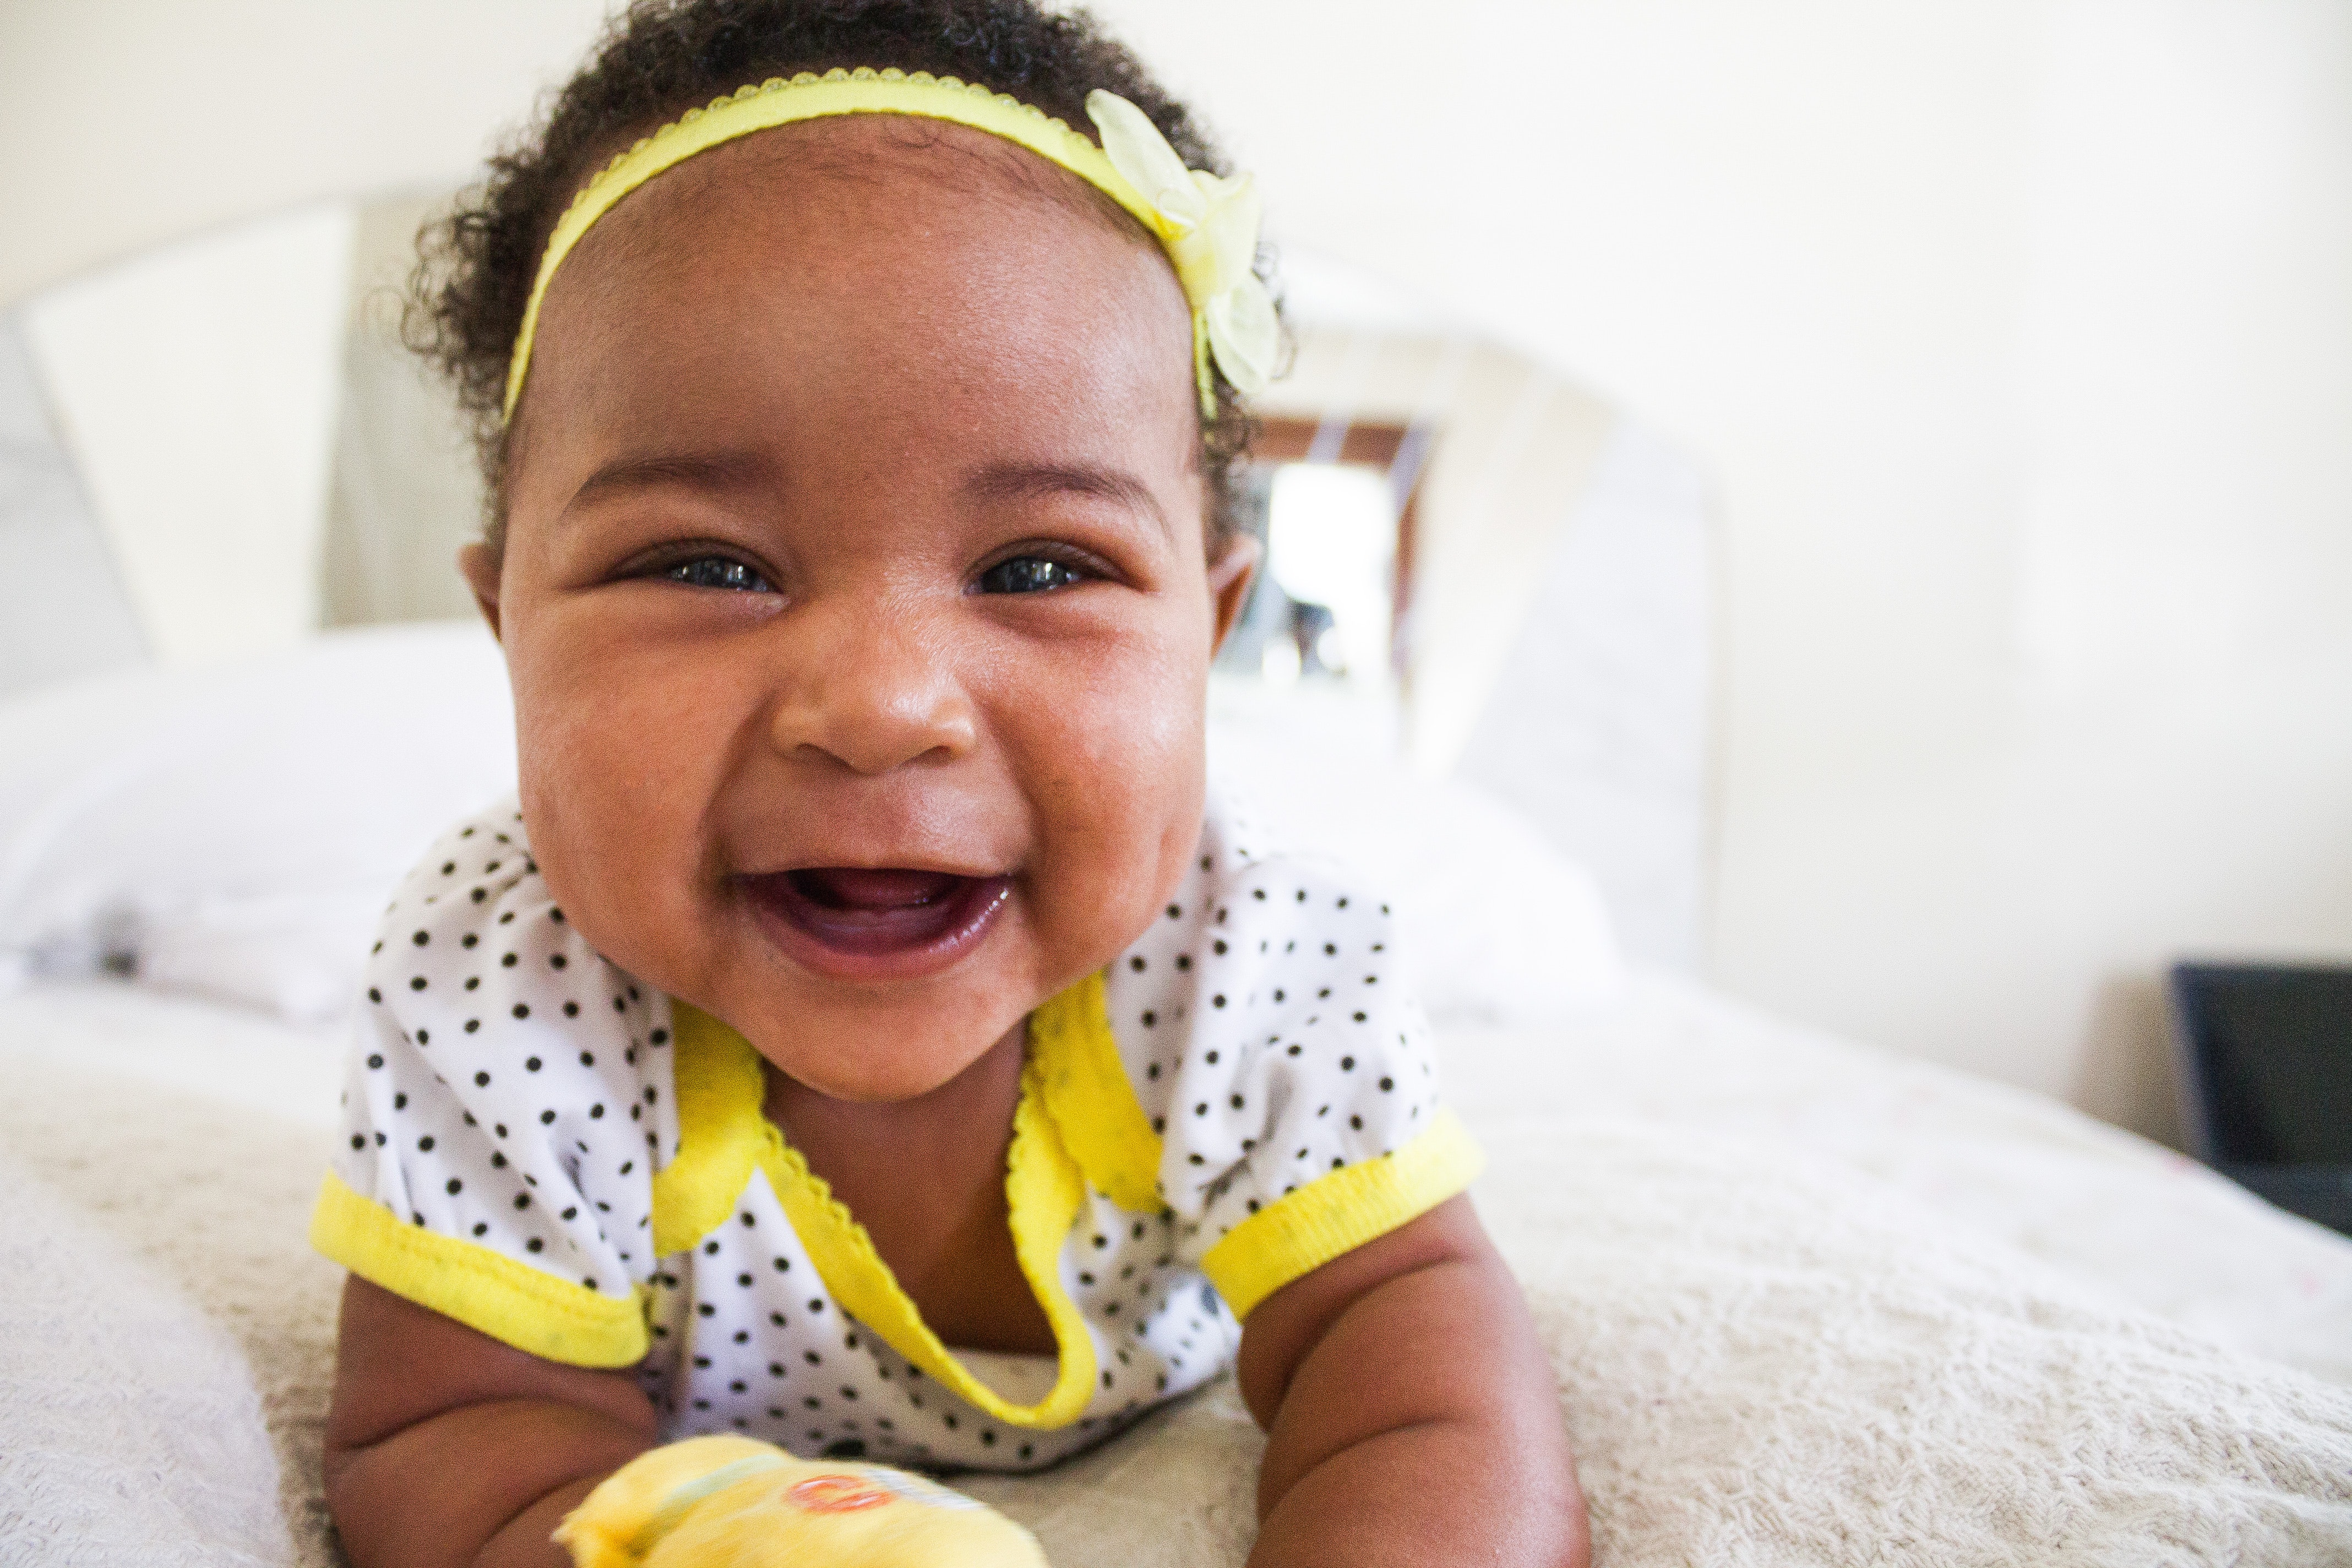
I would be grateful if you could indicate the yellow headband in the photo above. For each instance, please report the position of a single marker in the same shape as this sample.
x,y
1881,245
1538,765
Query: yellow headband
x,y
1208,226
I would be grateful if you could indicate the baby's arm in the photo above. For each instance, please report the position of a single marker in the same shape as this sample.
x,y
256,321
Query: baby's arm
x,y
1411,1417
448,1449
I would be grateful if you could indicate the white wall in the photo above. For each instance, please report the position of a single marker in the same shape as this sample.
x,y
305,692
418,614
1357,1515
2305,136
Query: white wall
x,y
138,120
2020,333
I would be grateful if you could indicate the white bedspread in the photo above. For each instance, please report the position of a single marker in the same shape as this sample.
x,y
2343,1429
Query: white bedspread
x,y
1806,1305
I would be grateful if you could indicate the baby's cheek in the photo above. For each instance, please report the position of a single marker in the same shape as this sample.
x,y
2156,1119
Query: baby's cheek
x,y
605,767
1120,793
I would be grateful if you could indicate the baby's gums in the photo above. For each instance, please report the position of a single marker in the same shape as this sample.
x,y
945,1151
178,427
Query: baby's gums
x,y
855,526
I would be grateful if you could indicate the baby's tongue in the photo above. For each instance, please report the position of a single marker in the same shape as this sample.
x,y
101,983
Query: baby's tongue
x,y
850,890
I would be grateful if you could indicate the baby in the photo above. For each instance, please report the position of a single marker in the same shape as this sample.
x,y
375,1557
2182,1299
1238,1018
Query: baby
x,y
866,1034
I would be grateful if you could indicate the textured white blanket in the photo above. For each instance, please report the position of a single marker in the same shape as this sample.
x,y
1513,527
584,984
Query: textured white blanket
x,y
1768,1352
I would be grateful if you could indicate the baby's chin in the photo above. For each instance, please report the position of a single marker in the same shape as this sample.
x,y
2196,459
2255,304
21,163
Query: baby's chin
x,y
877,1052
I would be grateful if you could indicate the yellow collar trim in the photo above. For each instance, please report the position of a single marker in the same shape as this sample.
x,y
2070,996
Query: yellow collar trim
x,y
1093,1102
1069,1083
1208,227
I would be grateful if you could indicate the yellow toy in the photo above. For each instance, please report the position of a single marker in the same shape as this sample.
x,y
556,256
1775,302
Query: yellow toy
x,y
732,1502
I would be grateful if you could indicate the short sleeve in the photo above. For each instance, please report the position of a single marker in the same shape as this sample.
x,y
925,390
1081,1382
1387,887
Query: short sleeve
x,y
1291,1081
507,1104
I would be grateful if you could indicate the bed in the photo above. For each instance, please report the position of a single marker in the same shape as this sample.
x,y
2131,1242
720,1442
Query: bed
x,y
1806,1303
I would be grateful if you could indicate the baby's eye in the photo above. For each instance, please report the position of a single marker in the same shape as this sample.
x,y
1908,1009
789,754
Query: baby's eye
x,y
718,572
1029,574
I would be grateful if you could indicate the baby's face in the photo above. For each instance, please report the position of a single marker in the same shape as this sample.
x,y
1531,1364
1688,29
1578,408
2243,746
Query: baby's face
x,y
854,593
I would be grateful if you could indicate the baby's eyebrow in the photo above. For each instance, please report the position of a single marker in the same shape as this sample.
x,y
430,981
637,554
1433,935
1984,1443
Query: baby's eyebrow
x,y
703,470
1025,481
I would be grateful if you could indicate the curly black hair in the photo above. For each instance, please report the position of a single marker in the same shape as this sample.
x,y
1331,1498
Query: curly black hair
x,y
660,57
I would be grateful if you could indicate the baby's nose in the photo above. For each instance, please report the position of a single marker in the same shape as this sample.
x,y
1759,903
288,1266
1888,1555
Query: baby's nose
x,y
872,697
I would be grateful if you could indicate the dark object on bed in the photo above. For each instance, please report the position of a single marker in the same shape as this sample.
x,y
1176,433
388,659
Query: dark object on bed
x,y
2266,1058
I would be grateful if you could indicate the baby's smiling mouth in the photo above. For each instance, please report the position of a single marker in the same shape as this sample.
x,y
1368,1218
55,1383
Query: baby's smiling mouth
x,y
855,923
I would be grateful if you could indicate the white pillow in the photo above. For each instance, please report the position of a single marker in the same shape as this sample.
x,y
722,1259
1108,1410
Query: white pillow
x,y
237,830
1498,926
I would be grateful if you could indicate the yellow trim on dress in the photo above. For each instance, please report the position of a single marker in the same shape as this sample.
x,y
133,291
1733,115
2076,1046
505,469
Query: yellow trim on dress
x,y
513,1303
1338,1213
721,1088
1092,1098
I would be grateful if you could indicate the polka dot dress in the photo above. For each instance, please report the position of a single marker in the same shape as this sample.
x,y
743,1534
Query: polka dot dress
x,y
513,1093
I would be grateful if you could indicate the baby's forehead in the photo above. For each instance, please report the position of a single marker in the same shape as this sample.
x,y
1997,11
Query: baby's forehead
x,y
928,292
902,222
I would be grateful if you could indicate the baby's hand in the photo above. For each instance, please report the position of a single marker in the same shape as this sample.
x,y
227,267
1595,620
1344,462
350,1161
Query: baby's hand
x,y
731,1502
1411,1417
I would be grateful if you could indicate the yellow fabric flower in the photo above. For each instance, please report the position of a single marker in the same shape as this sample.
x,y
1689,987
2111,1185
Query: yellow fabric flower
x,y
1211,230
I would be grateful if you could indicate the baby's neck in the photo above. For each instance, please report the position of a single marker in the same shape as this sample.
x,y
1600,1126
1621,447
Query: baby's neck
x,y
926,1178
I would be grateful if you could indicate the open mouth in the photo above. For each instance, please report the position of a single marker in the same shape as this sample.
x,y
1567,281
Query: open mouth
x,y
861,923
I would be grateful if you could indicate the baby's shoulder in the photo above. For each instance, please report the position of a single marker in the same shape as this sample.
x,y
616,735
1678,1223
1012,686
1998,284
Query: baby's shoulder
x,y
1262,1026
1262,953
476,968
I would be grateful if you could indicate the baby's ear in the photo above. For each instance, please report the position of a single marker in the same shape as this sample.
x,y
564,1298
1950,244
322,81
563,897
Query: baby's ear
x,y
1229,583
479,565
